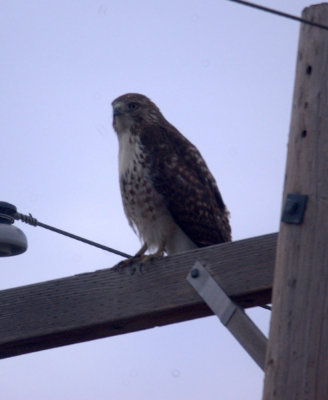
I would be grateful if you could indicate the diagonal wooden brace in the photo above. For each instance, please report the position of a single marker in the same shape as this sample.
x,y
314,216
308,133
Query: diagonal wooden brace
x,y
231,315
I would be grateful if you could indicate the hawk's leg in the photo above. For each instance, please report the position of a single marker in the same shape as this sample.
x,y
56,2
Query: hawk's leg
x,y
140,257
133,259
149,257
141,252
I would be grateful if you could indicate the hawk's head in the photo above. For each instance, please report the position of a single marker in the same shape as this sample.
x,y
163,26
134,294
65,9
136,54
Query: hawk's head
x,y
131,108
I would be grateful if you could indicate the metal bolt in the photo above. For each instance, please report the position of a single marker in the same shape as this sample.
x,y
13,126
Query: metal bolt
x,y
194,273
294,209
291,207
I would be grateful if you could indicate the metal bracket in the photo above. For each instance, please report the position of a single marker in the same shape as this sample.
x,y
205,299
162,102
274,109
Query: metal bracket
x,y
294,209
231,315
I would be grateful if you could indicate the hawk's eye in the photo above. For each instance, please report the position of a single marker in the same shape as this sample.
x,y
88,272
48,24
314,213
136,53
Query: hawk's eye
x,y
133,106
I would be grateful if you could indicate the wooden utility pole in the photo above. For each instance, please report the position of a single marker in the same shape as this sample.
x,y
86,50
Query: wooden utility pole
x,y
297,356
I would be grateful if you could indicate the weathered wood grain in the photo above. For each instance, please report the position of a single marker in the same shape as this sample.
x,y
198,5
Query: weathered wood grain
x,y
297,357
107,302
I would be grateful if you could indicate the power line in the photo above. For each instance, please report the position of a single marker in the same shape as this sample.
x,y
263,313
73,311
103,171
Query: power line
x,y
28,219
280,13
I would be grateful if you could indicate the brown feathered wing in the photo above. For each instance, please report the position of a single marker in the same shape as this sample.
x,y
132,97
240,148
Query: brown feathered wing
x,y
179,173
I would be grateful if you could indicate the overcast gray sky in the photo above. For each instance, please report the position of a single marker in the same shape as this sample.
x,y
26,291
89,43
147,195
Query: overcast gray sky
x,y
223,74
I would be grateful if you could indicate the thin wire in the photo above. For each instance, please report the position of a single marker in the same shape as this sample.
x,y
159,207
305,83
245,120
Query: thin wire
x,y
280,13
28,219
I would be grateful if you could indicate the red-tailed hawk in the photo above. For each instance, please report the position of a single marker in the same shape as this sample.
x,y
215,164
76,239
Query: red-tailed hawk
x,y
169,195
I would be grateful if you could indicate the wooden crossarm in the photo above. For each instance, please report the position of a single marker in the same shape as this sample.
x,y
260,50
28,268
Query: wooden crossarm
x,y
106,302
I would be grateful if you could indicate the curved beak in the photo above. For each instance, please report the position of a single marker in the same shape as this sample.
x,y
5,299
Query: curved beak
x,y
117,110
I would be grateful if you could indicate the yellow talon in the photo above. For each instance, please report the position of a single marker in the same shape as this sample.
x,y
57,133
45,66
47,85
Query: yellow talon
x,y
140,257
